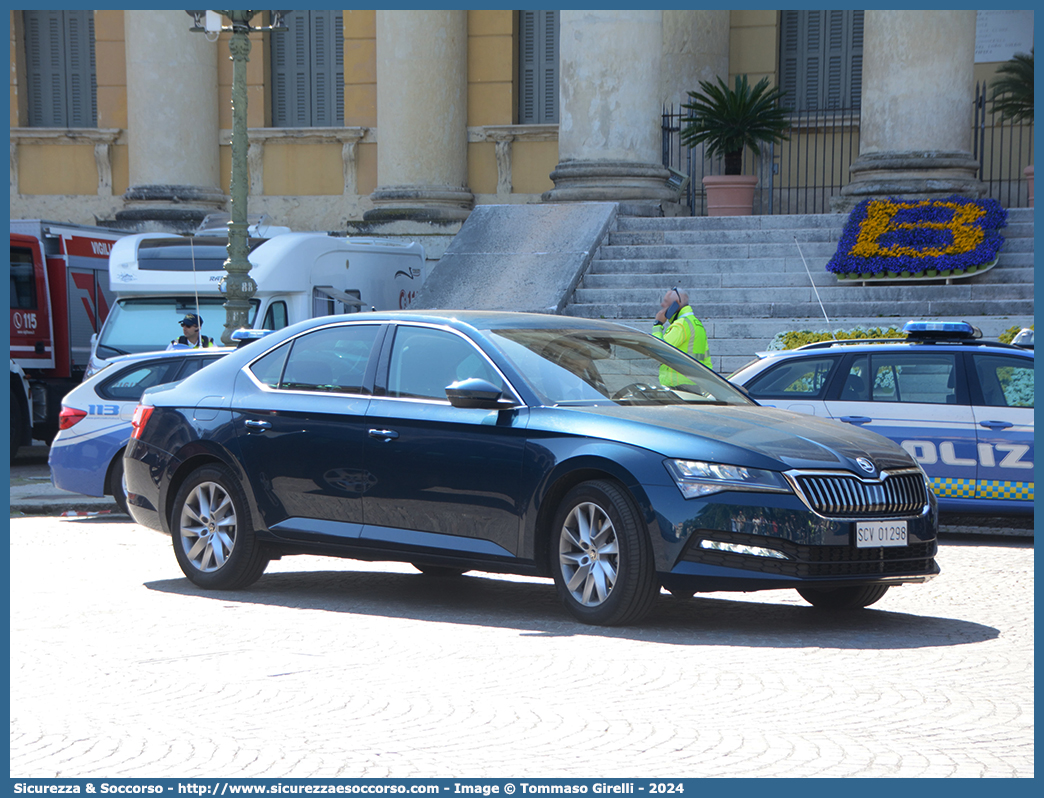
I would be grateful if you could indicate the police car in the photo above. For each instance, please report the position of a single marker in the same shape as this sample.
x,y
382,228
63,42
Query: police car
x,y
962,406
94,426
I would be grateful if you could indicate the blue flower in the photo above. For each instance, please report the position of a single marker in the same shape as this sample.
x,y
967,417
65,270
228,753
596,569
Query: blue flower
x,y
896,235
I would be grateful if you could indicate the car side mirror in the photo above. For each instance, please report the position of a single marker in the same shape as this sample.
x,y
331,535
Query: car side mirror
x,y
477,393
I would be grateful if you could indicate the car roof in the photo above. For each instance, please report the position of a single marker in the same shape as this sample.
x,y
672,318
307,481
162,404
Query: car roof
x,y
483,320
762,359
491,319
884,344
162,353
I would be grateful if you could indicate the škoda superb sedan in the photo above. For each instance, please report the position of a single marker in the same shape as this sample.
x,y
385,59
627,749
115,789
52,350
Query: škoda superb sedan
x,y
520,443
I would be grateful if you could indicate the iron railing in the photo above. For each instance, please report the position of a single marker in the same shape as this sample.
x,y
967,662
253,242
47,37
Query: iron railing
x,y
1003,150
801,175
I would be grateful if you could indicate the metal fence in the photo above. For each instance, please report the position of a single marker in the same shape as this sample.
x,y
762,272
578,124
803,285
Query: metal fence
x,y
1003,150
802,174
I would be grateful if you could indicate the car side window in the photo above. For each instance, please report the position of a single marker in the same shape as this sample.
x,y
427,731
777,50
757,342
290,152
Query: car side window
x,y
131,383
424,361
192,365
1005,381
795,379
857,386
269,369
332,360
928,378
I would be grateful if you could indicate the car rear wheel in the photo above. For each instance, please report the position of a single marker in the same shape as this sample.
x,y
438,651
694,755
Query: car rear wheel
x,y
843,598
601,557
214,539
118,484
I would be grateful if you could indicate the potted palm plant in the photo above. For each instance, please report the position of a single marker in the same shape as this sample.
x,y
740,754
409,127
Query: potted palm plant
x,y
1012,97
728,121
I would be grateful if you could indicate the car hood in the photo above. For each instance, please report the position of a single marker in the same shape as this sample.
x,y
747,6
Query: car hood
x,y
757,437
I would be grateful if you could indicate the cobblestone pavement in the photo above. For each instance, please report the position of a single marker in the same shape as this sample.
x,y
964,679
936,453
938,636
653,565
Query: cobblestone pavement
x,y
120,668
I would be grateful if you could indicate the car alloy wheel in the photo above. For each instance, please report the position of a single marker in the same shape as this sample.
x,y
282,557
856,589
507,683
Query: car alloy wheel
x,y
208,527
588,554
214,540
601,556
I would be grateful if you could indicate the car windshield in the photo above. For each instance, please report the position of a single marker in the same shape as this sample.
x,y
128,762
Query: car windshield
x,y
577,367
149,324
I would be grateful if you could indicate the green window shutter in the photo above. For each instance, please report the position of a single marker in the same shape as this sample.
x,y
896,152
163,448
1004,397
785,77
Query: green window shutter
x,y
527,72
60,75
821,59
44,65
813,59
538,67
855,61
81,87
789,53
328,68
308,71
549,99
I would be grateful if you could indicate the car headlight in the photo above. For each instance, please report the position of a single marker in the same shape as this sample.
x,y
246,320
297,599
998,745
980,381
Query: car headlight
x,y
696,478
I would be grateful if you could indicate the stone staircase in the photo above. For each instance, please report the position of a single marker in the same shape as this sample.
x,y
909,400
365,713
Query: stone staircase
x,y
747,281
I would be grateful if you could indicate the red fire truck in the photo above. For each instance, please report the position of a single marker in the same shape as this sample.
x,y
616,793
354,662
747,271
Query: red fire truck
x,y
59,298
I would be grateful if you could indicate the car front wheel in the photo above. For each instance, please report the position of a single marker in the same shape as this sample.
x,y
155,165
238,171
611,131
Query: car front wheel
x,y
601,556
843,598
214,540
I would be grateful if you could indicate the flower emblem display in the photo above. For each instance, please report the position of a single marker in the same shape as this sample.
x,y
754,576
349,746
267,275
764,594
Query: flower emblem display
x,y
916,238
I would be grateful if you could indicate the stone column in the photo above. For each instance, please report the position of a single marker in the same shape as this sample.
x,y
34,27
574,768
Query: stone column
x,y
695,48
172,112
422,133
916,120
609,144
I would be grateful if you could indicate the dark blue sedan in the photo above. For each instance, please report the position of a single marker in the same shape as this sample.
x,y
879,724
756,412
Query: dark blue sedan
x,y
520,443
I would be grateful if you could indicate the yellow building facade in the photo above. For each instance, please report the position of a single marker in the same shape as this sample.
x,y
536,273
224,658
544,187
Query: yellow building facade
x,y
328,177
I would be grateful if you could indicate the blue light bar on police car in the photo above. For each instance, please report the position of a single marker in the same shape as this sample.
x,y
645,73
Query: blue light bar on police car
x,y
242,337
941,329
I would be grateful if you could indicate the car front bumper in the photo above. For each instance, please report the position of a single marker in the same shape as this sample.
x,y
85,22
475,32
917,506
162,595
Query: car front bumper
x,y
760,541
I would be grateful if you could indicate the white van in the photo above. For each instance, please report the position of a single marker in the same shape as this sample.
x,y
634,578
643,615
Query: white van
x,y
158,278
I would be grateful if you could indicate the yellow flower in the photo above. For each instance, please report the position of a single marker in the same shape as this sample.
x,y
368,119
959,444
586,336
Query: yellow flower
x,y
880,216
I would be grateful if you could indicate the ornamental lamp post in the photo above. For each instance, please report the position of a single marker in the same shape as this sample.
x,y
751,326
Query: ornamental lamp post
x,y
237,285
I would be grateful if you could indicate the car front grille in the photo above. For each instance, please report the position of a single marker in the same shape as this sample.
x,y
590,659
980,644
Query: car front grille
x,y
846,496
814,561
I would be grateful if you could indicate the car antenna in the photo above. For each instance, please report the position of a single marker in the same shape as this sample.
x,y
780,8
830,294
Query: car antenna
x,y
825,316
195,283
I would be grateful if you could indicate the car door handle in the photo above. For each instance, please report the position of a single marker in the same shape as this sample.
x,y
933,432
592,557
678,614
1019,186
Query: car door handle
x,y
253,425
996,424
384,434
855,420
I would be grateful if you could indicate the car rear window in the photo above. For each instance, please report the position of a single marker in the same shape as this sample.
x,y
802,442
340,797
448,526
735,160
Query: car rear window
x,y
1005,381
129,384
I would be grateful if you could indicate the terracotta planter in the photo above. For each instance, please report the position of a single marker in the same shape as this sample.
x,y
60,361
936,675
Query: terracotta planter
x,y
1028,172
730,195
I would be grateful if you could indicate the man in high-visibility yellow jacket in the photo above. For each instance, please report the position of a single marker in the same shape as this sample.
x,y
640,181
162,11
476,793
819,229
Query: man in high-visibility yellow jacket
x,y
682,331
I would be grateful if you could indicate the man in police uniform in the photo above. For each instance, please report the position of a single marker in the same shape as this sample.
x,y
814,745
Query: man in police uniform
x,y
190,336
682,330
